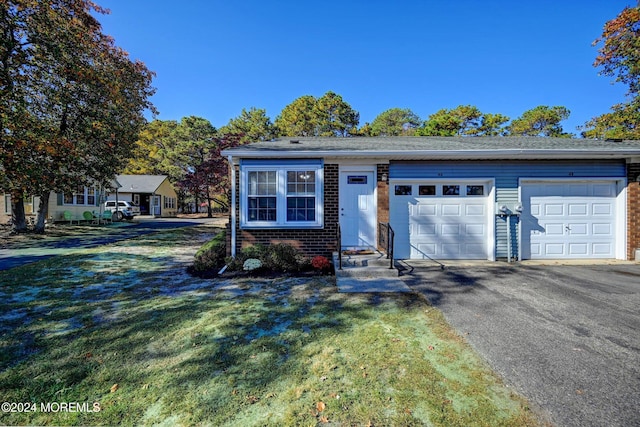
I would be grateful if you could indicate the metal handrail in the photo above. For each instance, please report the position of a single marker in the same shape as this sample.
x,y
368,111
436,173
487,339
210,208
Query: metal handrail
x,y
339,245
386,237
390,241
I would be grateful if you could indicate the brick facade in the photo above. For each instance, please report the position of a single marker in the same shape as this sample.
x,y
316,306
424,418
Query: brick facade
x,y
310,242
383,196
633,209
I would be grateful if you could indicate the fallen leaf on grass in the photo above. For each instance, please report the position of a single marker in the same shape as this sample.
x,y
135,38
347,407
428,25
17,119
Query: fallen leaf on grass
x,y
324,419
320,406
430,347
114,388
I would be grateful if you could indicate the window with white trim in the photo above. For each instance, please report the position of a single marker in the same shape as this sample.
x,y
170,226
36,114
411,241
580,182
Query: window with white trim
x,y
85,196
281,196
169,202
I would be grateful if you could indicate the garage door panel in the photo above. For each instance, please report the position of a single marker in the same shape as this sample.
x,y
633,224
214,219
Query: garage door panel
x,y
602,248
556,249
579,249
602,229
474,230
578,209
427,210
426,230
554,209
569,220
475,210
578,229
554,229
451,210
450,229
602,209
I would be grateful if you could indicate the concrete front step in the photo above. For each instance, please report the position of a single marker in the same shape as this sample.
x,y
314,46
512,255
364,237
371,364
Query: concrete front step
x,y
364,266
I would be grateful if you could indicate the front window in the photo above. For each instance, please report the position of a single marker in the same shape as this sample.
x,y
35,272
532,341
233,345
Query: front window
x,y
81,196
287,196
262,196
301,200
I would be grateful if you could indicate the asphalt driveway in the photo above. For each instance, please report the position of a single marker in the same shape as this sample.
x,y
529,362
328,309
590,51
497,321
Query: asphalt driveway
x,y
566,337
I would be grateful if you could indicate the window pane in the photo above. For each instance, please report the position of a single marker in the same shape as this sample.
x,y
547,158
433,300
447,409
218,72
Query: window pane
x,y
427,190
262,209
301,208
403,190
475,190
450,190
301,182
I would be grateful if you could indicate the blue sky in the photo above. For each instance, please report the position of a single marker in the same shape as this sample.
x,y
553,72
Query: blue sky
x,y
213,57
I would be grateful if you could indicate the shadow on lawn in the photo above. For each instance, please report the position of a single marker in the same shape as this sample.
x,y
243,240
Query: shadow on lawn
x,y
141,321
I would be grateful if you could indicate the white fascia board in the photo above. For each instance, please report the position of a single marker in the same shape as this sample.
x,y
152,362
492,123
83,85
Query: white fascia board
x,y
436,154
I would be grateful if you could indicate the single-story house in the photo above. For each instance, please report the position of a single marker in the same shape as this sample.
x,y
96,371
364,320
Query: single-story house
x,y
444,198
153,193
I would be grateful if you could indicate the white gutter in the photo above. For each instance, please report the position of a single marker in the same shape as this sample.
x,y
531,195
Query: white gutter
x,y
437,154
233,206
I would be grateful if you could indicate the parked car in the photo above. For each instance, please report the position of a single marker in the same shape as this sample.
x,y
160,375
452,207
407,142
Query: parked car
x,y
126,210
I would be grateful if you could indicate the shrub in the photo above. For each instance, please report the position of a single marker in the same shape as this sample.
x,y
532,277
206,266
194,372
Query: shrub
x,y
283,257
251,264
320,263
277,257
211,256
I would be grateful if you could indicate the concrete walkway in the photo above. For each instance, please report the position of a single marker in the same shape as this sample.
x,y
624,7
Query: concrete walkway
x,y
367,273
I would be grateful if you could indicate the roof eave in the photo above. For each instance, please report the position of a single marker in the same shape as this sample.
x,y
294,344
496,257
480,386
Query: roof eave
x,y
435,154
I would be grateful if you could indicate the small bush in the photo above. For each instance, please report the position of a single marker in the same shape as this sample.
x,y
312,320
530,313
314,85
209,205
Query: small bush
x,y
283,257
321,263
279,257
251,264
211,256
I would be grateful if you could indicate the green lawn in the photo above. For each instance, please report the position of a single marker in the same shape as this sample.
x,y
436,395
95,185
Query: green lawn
x,y
123,326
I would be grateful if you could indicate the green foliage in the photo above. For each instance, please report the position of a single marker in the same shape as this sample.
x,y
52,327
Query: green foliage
x,y
623,122
619,57
541,121
328,115
211,256
71,102
279,257
252,126
619,54
395,122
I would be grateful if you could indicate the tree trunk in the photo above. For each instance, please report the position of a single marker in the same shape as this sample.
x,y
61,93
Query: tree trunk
x,y
17,212
209,212
43,212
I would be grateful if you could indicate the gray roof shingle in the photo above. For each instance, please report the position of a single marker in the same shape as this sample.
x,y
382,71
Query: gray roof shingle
x,y
451,147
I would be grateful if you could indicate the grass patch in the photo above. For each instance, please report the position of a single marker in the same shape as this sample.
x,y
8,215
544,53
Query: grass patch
x,y
244,351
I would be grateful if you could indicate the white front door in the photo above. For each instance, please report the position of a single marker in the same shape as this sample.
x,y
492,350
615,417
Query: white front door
x,y
357,209
569,220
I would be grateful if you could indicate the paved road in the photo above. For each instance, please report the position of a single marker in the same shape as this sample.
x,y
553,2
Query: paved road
x,y
38,250
566,337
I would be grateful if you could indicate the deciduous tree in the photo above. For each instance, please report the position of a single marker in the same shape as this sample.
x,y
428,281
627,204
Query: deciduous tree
x,y
619,57
71,102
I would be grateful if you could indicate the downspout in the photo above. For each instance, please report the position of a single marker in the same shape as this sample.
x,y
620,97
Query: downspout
x,y
233,206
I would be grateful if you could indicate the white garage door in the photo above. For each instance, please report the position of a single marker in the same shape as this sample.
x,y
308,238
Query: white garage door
x,y
440,220
569,220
